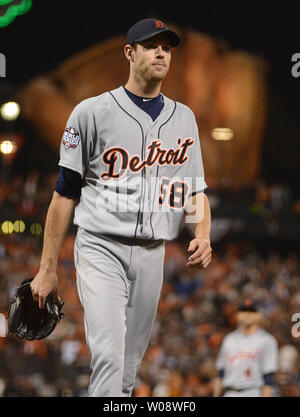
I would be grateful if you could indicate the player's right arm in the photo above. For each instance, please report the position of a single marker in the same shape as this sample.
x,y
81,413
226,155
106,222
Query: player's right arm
x,y
218,385
74,154
220,365
58,220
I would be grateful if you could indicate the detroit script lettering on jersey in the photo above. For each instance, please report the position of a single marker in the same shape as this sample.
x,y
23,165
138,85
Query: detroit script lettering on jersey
x,y
155,154
242,354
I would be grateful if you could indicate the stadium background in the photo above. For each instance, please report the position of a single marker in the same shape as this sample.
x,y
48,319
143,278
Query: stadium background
x,y
234,70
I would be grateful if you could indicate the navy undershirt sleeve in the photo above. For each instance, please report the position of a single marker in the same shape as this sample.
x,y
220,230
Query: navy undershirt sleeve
x,y
269,379
221,373
69,183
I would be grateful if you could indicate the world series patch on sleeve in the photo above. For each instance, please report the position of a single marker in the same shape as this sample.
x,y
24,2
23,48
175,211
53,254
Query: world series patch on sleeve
x,y
71,138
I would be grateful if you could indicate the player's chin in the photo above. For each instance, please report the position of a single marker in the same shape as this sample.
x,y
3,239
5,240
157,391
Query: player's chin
x,y
159,73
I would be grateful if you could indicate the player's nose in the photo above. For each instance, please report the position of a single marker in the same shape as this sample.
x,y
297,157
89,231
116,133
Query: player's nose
x,y
159,51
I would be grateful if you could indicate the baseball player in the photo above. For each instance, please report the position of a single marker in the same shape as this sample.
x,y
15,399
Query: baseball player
x,y
131,167
248,357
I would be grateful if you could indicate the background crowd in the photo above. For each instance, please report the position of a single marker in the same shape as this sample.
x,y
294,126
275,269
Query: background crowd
x,y
255,253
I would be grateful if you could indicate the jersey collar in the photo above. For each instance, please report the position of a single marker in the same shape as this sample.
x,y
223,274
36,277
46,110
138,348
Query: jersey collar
x,y
135,111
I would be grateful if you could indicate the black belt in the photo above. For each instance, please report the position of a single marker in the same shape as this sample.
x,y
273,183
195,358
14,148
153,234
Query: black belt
x,y
150,243
238,389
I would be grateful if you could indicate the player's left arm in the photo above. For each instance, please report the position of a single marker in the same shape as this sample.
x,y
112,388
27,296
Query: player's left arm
x,y
269,366
267,389
197,209
199,247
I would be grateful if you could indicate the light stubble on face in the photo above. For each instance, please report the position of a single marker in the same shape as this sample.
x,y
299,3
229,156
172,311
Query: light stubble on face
x,y
146,71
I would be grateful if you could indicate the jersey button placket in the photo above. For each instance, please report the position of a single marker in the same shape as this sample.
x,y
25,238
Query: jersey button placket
x,y
148,175
143,217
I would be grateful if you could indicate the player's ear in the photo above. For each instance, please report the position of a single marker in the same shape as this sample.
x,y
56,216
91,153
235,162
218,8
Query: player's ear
x,y
129,51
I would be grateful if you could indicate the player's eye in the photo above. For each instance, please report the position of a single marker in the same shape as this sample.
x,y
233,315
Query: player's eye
x,y
149,46
166,48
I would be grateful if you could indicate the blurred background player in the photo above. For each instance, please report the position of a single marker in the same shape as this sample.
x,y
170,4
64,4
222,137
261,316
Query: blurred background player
x,y
247,360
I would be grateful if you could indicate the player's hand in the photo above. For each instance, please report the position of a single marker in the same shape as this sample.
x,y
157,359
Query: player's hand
x,y
202,253
43,284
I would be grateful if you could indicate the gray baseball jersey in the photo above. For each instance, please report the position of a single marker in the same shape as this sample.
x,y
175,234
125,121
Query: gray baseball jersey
x,y
138,173
245,359
137,176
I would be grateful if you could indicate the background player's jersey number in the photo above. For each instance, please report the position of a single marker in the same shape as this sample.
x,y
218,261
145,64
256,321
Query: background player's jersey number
x,y
177,192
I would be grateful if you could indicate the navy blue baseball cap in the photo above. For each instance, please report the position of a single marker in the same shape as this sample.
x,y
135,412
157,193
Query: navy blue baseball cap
x,y
147,28
248,305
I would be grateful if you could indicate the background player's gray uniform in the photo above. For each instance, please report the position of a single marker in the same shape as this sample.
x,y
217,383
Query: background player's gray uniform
x,y
119,249
245,359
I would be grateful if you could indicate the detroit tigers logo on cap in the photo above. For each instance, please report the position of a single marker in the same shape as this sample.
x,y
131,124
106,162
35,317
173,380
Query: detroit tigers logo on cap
x,y
71,138
159,24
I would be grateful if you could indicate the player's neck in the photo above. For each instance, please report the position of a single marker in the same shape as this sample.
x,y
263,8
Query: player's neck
x,y
142,88
247,330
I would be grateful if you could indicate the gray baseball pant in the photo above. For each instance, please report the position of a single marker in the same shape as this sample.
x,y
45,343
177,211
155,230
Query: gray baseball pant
x,y
119,285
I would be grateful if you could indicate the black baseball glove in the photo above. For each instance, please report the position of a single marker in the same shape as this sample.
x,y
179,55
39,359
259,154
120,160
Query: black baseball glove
x,y
27,320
